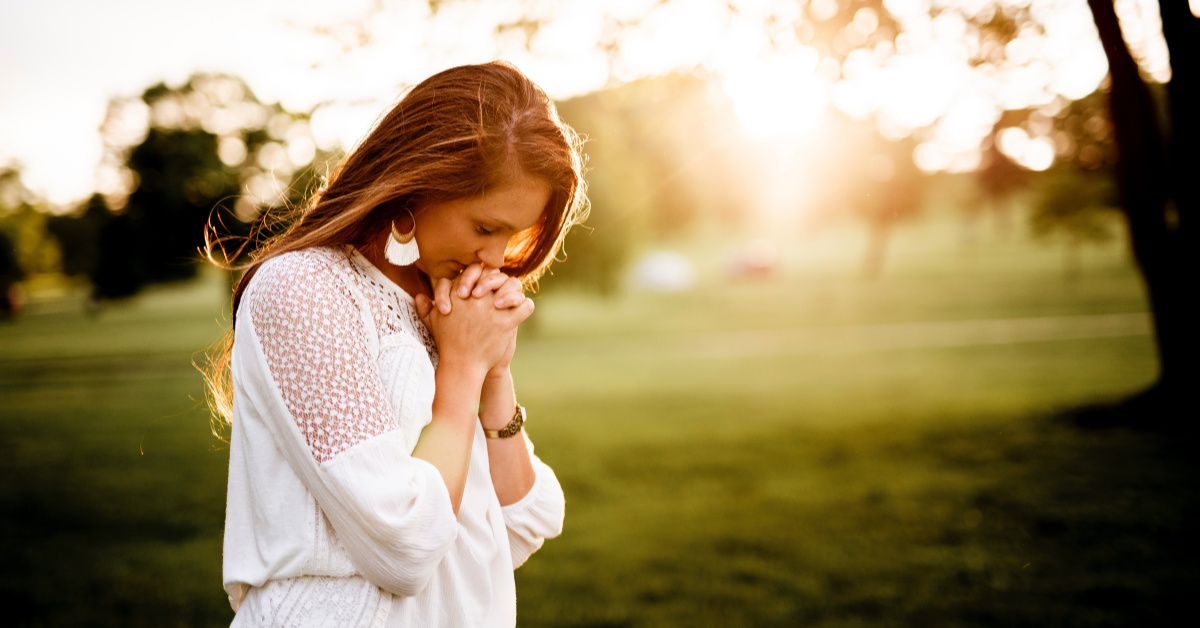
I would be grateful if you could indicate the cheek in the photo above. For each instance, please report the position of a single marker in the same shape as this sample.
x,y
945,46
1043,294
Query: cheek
x,y
448,238
438,255
434,238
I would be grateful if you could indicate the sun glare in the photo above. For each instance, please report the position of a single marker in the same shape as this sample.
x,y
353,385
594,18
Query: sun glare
x,y
778,97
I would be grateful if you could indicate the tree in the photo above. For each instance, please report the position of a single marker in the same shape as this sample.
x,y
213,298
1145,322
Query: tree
x,y
10,274
994,41
1157,196
24,247
894,191
180,180
845,39
661,157
78,236
1154,159
1076,199
23,218
179,159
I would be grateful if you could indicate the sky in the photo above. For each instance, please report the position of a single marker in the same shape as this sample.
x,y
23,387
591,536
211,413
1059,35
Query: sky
x,y
62,60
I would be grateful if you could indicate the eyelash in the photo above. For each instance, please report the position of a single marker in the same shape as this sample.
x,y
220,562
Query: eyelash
x,y
484,231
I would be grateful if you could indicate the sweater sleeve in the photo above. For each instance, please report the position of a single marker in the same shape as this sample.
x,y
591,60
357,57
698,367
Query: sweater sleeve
x,y
312,378
537,516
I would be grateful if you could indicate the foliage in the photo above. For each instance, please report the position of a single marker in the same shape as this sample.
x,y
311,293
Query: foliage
x,y
844,40
1080,204
180,179
1077,197
666,154
178,159
999,177
23,223
79,236
662,157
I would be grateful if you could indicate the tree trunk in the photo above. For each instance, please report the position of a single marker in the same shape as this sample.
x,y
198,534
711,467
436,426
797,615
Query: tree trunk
x,y
1144,180
1182,32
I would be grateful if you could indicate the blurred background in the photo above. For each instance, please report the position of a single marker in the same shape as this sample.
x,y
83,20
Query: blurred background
x,y
879,318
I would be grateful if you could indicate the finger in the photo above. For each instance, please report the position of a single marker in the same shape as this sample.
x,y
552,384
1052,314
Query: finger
x,y
424,307
441,295
504,294
466,281
489,283
523,311
507,297
512,283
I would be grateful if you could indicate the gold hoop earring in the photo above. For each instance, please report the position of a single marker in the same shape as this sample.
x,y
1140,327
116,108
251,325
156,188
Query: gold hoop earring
x,y
402,247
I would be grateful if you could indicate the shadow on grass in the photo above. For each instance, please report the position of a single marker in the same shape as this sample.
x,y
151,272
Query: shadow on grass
x,y
1104,504
943,522
1006,522
1160,408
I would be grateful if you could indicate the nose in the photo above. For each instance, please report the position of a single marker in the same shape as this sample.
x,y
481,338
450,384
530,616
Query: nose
x,y
492,255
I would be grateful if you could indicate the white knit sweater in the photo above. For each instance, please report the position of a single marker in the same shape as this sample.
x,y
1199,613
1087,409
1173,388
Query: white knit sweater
x,y
330,521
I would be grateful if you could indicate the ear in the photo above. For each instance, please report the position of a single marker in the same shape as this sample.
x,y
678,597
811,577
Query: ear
x,y
402,210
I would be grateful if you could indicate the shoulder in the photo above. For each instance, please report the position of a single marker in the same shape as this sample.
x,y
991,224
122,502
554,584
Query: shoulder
x,y
309,276
300,266
305,269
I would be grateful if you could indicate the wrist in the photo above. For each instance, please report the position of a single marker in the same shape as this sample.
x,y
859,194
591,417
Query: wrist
x,y
498,374
469,373
496,418
498,401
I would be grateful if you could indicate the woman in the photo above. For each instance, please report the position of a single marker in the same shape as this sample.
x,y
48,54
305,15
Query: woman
x,y
379,474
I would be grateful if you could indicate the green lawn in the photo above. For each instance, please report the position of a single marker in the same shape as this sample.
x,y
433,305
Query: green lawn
x,y
812,449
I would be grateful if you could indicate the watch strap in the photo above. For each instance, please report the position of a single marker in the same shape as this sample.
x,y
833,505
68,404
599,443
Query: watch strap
x,y
512,429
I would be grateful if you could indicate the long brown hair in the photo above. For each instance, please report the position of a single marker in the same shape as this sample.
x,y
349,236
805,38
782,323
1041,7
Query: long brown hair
x,y
461,133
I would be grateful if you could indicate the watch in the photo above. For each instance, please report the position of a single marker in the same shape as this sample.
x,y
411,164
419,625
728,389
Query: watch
x,y
513,427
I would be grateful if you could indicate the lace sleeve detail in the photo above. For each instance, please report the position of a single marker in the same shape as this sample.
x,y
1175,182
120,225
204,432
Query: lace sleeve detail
x,y
316,347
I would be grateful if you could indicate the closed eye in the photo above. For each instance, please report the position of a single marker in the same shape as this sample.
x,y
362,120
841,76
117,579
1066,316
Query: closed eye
x,y
484,230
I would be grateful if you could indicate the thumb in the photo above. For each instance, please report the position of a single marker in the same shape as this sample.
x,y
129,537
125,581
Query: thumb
x,y
424,307
441,295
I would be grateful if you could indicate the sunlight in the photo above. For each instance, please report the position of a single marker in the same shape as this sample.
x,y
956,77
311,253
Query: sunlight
x,y
916,89
1141,26
347,62
672,36
1034,153
779,97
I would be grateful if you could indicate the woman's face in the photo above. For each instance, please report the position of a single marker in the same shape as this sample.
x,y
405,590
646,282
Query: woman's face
x,y
454,234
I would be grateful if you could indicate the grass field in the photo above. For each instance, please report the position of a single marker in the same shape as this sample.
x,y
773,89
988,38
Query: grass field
x,y
809,450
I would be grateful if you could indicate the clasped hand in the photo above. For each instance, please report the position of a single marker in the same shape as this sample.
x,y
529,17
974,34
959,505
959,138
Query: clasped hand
x,y
468,325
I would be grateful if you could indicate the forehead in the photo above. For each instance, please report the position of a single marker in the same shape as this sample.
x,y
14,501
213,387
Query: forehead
x,y
517,204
